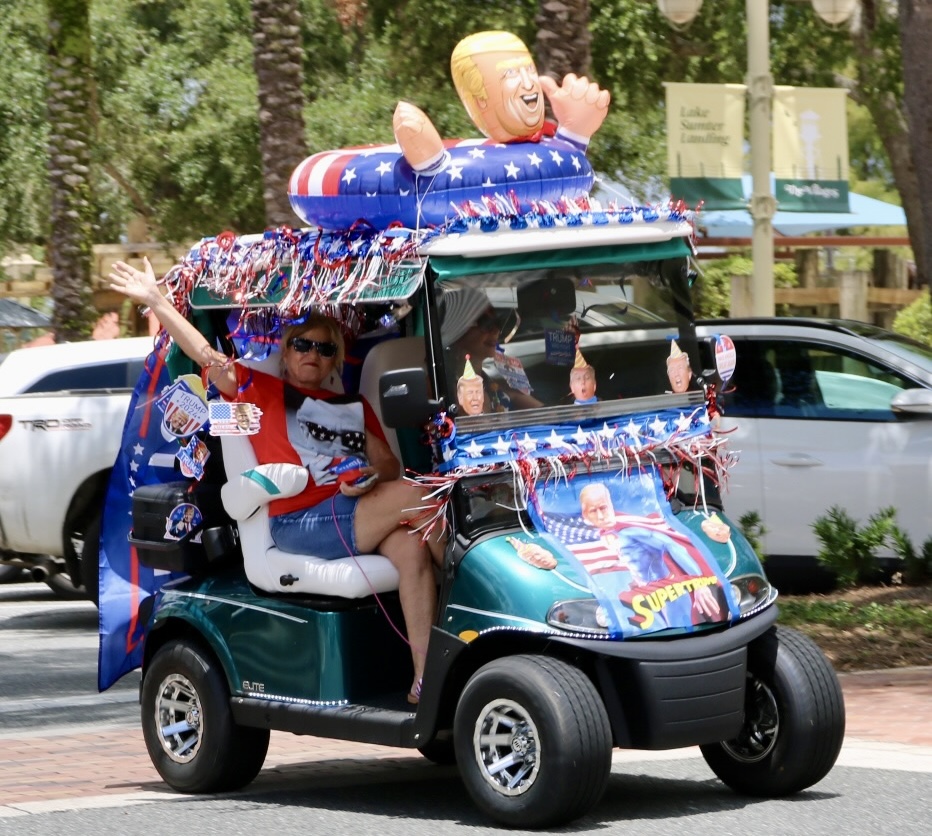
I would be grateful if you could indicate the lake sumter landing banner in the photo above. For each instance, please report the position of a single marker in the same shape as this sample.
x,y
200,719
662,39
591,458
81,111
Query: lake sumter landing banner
x,y
705,135
810,149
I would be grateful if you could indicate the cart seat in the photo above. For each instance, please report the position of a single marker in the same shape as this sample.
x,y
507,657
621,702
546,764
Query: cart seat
x,y
273,570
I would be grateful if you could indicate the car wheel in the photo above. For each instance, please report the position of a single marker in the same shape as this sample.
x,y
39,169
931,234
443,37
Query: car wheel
x,y
532,741
188,726
90,560
9,573
61,584
794,720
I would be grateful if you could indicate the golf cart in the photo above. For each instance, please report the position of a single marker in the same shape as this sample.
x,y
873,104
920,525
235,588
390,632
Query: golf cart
x,y
594,593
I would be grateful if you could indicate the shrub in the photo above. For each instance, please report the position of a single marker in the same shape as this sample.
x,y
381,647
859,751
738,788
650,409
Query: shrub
x,y
752,527
850,551
917,568
915,320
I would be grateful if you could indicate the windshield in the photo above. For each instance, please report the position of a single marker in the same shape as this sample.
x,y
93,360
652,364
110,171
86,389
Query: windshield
x,y
526,339
914,352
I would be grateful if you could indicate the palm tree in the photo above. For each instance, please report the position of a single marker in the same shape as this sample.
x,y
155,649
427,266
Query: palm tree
x,y
277,58
563,42
68,97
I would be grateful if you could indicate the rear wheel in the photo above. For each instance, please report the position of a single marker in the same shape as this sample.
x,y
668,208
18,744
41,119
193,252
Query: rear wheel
x,y
188,726
61,584
90,559
533,742
794,720
9,573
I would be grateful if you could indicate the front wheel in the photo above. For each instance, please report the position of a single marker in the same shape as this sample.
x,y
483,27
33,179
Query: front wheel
x,y
533,741
188,726
794,720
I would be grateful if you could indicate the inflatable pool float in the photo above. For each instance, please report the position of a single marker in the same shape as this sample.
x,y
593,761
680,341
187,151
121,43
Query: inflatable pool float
x,y
377,185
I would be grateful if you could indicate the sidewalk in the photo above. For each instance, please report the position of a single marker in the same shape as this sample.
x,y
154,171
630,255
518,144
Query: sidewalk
x,y
75,767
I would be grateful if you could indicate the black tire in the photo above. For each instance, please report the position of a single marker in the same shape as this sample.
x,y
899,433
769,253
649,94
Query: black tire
x,y
794,720
90,561
548,717
206,751
10,573
440,750
61,584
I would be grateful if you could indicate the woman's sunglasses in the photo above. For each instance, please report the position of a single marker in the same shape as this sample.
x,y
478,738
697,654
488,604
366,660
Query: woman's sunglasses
x,y
303,345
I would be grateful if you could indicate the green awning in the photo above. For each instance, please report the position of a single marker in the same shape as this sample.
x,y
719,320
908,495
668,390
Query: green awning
x,y
452,267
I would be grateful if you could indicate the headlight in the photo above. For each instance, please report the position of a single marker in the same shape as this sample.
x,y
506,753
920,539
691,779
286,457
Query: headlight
x,y
753,593
586,615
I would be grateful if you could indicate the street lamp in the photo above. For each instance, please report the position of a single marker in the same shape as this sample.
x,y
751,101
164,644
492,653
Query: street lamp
x,y
760,101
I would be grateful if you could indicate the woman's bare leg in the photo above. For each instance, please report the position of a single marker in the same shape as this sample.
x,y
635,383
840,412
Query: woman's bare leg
x,y
387,507
417,591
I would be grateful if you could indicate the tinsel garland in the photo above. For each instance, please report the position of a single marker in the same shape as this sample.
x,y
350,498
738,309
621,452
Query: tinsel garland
x,y
668,440
292,271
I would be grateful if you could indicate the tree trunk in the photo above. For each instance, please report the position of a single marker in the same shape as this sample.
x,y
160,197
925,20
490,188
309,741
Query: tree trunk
x,y
563,43
278,62
915,38
70,246
888,111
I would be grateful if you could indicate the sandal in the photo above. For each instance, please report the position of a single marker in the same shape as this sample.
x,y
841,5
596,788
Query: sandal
x,y
414,696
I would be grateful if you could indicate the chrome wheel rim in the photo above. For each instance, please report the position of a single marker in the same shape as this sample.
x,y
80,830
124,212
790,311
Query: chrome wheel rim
x,y
507,747
761,725
178,718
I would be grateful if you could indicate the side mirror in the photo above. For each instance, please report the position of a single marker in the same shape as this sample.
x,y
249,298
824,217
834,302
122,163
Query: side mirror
x,y
912,402
404,398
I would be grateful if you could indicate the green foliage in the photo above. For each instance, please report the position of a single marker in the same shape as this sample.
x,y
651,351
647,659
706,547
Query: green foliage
x,y
845,615
917,566
23,128
753,529
712,290
915,320
849,550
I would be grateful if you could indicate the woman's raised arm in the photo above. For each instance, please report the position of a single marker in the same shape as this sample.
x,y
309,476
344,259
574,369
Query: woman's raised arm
x,y
142,287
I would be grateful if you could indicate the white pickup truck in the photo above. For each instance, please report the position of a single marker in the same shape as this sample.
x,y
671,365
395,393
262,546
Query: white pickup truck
x,y
62,409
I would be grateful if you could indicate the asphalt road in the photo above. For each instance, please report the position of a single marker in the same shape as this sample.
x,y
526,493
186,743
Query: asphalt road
x,y
48,693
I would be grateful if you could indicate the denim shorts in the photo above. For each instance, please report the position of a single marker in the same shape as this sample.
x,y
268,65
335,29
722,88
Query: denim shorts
x,y
324,530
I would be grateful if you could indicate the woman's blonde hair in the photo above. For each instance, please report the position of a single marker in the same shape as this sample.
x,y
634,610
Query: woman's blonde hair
x,y
313,321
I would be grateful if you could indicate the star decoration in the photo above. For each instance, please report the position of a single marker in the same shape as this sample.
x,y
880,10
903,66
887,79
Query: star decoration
x,y
349,175
488,184
511,170
384,167
657,426
534,159
477,153
683,422
501,446
404,192
137,450
527,444
133,465
632,429
575,161
581,437
555,440
474,450
555,156
607,432
456,172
